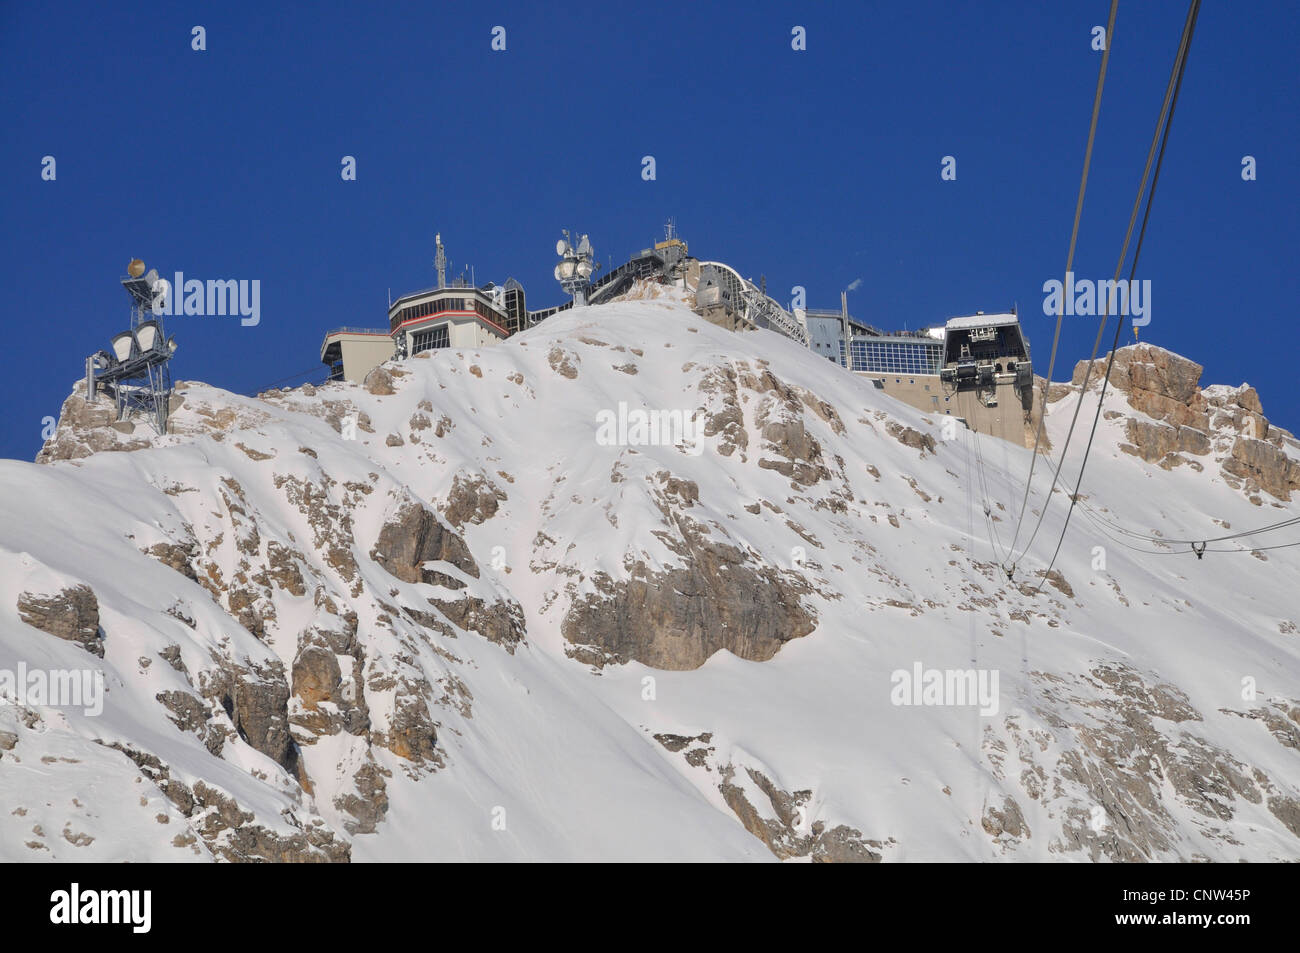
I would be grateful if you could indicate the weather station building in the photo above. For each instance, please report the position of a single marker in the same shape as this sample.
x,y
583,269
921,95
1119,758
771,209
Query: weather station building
x,y
455,314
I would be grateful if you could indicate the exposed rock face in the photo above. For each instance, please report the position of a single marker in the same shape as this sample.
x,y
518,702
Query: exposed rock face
x,y
472,499
499,622
677,619
177,556
316,675
413,536
561,362
1188,422
411,732
1005,822
909,437
257,700
1264,465
71,614
189,713
1159,443
1129,748
86,428
233,834
1159,383
780,420
370,804
328,686
778,818
727,419
1164,387
379,381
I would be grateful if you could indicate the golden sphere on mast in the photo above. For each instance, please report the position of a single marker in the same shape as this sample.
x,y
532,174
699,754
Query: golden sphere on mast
x,y
136,268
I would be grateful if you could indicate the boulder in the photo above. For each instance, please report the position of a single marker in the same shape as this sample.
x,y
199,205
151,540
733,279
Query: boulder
x,y
71,614
413,536
379,381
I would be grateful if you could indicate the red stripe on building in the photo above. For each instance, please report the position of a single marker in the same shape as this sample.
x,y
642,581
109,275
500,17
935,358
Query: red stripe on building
x,y
442,314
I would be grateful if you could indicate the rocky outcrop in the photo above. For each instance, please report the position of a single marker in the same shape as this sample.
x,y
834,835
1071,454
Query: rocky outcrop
x,y
414,536
909,437
329,513
256,698
1118,754
780,419
791,833
84,428
179,556
1161,443
328,687
725,418
1004,823
779,818
1263,465
412,733
71,614
189,713
1187,422
561,362
677,618
499,622
472,499
1159,383
231,833
369,805
379,381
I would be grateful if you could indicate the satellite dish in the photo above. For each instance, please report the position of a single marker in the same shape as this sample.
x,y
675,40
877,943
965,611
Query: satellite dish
x,y
584,246
136,268
122,344
146,335
557,272
561,247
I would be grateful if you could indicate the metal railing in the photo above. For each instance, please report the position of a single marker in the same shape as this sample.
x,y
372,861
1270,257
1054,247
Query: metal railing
x,y
350,330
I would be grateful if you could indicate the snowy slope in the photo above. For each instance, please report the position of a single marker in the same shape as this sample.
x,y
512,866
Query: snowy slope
x,y
825,537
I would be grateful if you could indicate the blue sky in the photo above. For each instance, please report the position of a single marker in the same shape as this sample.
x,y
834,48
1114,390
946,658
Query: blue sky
x,y
813,168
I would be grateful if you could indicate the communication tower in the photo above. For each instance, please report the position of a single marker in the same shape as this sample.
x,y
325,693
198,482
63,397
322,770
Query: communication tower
x,y
575,267
134,371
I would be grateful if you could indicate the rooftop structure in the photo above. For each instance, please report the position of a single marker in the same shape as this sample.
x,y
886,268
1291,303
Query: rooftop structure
x,y
967,367
351,353
453,313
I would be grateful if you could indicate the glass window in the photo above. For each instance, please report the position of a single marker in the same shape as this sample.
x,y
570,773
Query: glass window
x,y
428,340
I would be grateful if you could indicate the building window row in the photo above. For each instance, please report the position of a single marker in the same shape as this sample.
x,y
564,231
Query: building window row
x,y
426,308
430,339
895,357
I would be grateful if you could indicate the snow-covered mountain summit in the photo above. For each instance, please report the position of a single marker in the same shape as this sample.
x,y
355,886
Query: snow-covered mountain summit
x,y
632,586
